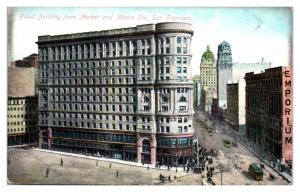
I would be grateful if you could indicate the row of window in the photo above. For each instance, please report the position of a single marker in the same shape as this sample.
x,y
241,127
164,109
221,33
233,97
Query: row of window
x,y
88,107
89,73
21,102
92,64
174,142
21,108
26,116
95,136
86,81
21,123
113,64
89,116
80,98
98,50
97,90
16,130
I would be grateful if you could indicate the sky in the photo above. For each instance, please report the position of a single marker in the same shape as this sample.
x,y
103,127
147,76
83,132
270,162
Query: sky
x,y
254,33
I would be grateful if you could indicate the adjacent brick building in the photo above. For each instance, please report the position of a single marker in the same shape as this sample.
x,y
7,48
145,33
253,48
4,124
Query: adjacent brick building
x,y
269,111
233,106
22,106
29,61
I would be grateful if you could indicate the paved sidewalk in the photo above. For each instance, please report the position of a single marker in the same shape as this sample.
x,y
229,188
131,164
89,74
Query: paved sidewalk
x,y
36,166
111,160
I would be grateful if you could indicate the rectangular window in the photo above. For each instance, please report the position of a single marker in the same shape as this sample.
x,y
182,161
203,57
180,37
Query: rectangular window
x,y
167,70
178,69
185,119
178,39
182,108
168,129
185,128
180,129
178,49
179,120
167,50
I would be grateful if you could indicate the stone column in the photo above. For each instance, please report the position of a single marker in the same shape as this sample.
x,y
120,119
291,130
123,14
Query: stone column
x,y
41,54
73,51
152,45
153,150
152,101
116,49
190,101
49,53
49,138
85,51
110,46
92,51
62,53
67,53
79,52
140,100
139,45
97,50
40,138
139,149
172,101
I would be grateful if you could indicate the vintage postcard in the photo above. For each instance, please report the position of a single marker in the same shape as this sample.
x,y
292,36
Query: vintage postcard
x,y
150,96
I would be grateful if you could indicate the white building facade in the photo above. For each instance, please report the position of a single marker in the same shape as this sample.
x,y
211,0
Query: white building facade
x,y
123,93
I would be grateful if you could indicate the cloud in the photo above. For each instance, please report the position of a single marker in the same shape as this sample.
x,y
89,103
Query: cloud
x,y
251,35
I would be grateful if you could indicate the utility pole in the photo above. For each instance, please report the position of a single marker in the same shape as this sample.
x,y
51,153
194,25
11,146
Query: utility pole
x,y
197,152
222,176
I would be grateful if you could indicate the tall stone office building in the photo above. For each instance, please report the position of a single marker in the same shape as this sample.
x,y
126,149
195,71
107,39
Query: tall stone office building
x,y
224,72
122,93
208,79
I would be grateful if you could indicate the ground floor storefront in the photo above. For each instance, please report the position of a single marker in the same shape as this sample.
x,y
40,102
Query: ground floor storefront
x,y
22,139
143,148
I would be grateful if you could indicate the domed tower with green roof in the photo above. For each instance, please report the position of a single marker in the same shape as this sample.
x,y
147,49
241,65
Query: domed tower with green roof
x,y
208,79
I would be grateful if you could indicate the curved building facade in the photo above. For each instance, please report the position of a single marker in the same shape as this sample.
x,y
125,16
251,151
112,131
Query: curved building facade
x,y
123,93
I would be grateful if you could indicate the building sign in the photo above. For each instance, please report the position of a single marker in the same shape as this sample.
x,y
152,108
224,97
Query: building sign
x,y
287,113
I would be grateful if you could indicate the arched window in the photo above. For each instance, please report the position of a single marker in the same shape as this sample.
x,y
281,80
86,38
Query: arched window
x,y
146,99
146,146
182,99
165,99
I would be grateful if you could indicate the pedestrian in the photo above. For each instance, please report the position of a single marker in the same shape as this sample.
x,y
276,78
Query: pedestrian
x,y
169,177
61,162
117,173
176,170
47,172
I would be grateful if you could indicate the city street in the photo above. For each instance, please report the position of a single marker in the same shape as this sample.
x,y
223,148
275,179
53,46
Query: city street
x,y
235,160
28,166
